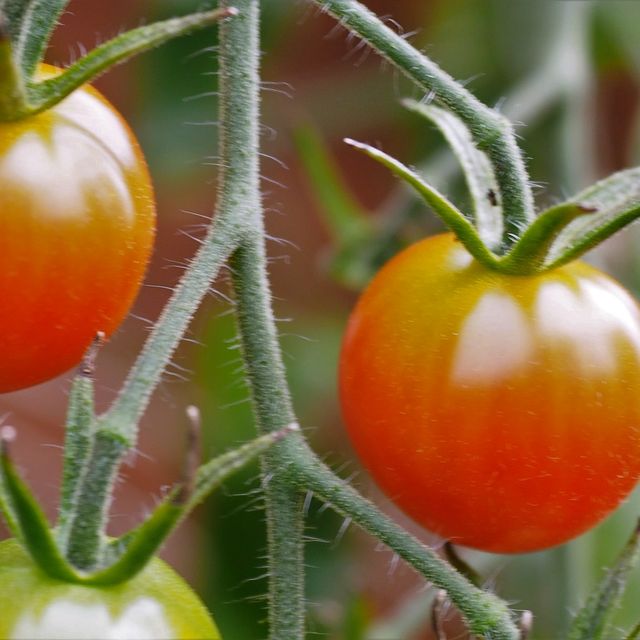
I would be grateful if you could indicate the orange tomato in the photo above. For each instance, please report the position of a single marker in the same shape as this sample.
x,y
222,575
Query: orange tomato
x,y
501,412
76,229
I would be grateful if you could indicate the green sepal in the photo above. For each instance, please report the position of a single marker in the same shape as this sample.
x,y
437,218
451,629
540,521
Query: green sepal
x,y
33,529
128,555
79,431
124,557
31,23
613,203
530,254
447,211
6,506
213,473
476,168
593,619
45,94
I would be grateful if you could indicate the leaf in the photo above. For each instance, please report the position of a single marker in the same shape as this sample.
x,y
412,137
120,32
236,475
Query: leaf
x,y
592,621
353,258
613,203
476,167
447,211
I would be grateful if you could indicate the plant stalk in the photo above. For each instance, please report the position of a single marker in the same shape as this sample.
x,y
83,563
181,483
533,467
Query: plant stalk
x,y
239,102
486,615
491,131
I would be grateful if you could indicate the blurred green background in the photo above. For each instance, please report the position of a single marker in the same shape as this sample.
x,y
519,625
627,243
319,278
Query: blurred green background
x,y
566,71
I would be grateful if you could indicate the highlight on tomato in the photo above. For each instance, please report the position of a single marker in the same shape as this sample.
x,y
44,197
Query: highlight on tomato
x,y
501,412
76,232
155,604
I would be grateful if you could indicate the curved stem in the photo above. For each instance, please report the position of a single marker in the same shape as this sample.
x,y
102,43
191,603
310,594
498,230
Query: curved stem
x,y
238,232
46,93
492,132
486,615
122,417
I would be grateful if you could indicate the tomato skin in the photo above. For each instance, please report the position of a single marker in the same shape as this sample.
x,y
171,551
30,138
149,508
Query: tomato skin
x,y
501,412
77,220
157,603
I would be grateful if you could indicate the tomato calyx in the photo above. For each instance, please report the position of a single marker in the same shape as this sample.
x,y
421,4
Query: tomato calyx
x,y
552,238
23,95
122,558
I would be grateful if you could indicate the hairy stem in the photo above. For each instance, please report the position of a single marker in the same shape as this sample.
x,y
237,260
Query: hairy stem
x,y
122,417
486,615
86,535
239,87
492,132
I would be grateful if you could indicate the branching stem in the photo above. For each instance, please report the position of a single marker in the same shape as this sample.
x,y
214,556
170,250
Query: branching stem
x,y
492,132
237,235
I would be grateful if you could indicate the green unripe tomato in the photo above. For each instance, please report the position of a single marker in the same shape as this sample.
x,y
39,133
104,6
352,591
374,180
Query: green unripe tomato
x,y
156,604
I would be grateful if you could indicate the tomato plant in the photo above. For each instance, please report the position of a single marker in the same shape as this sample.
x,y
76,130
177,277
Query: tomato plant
x,y
500,411
157,603
76,231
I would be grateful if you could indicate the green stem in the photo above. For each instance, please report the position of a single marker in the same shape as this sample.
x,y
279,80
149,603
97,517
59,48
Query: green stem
x,y
486,615
239,102
78,443
122,417
265,372
492,132
43,95
87,530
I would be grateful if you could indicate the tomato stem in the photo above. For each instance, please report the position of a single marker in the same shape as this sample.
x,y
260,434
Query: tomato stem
x,y
21,97
43,95
79,433
486,615
87,530
491,131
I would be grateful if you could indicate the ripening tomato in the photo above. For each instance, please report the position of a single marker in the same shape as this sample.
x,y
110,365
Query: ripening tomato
x,y
155,605
77,219
501,412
